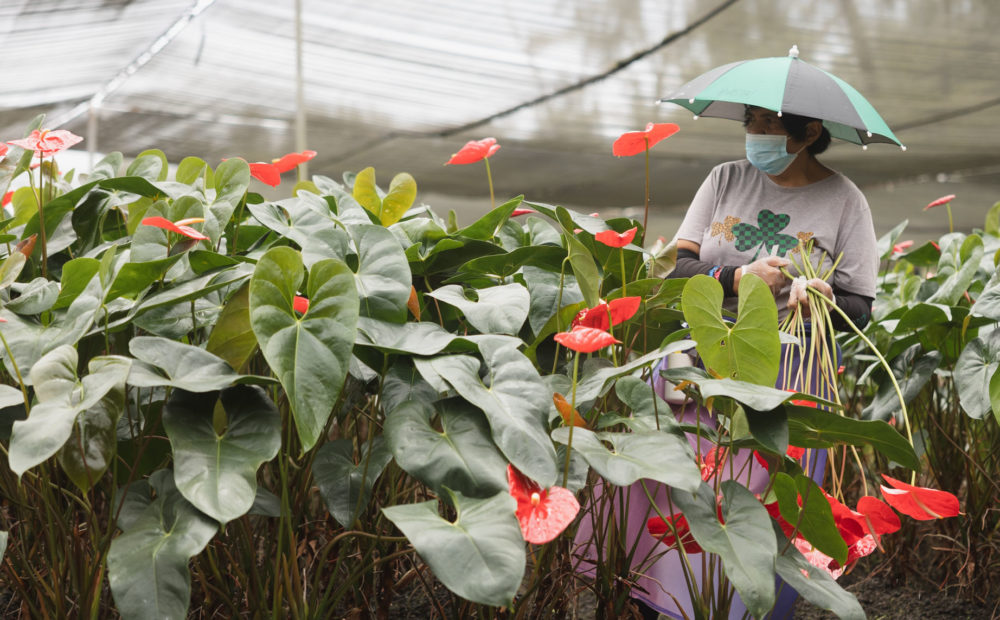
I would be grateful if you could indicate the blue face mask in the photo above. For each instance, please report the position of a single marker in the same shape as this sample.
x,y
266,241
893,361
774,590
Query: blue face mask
x,y
769,152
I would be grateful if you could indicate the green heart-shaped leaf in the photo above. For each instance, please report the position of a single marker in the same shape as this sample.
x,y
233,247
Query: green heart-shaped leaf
x,y
746,542
748,350
218,472
402,193
499,310
514,399
459,456
975,369
164,362
814,518
309,354
480,556
383,279
346,486
148,564
232,338
656,455
318,235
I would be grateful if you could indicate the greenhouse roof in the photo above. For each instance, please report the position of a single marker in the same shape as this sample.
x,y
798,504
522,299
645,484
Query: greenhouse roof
x,y
402,84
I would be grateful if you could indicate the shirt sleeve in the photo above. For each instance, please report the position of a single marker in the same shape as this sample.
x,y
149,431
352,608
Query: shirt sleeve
x,y
858,269
698,218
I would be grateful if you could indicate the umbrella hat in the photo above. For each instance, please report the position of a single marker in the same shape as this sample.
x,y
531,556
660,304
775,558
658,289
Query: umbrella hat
x,y
784,84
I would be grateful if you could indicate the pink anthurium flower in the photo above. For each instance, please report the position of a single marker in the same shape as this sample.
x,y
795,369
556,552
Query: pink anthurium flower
x,y
180,226
270,172
542,513
518,212
614,239
474,150
47,142
635,142
921,503
3,150
619,310
585,339
300,304
902,246
943,200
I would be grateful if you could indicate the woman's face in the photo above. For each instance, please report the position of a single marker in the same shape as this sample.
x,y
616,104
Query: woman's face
x,y
761,121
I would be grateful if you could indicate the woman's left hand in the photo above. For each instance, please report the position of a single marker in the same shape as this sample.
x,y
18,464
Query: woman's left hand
x,y
799,295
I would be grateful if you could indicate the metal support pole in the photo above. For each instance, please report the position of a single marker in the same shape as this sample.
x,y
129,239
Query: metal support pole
x,y
300,95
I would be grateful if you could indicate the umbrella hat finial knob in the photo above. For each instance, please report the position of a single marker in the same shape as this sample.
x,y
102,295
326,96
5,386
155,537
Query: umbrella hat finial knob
x,y
793,52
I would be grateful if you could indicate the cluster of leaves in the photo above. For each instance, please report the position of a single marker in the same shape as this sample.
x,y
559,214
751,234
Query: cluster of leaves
x,y
241,403
935,321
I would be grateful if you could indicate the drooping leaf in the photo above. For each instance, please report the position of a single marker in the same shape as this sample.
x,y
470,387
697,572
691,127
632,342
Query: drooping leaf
x,y
91,446
309,354
480,556
648,409
588,277
61,399
813,518
747,350
318,235
148,563
913,369
814,428
164,362
960,261
514,399
814,584
745,542
499,309
548,293
656,455
461,455
217,473
345,485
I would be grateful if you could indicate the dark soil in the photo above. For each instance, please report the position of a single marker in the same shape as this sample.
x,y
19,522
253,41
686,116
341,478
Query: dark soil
x,y
885,598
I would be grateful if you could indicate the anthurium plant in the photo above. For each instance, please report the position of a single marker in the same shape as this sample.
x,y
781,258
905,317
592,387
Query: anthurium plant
x,y
218,404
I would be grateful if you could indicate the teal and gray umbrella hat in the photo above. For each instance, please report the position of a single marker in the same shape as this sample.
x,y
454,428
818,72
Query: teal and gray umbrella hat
x,y
784,84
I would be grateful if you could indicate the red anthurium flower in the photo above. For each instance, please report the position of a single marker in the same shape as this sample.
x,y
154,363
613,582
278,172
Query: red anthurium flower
x,y
921,503
518,212
936,246
7,198
793,451
658,528
300,304
613,239
620,310
270,172
542,513
879,518
3,149
851,525
635,142
180,226
943,200
585,339
775,512
47,142
474,150
900,247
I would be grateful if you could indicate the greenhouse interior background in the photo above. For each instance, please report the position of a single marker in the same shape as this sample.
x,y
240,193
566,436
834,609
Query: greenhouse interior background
x,y
401,85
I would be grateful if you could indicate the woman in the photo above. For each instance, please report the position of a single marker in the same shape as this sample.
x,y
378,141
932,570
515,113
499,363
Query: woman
x,y
747,218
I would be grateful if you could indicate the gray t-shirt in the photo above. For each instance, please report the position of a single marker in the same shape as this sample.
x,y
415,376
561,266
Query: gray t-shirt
x,y
739,215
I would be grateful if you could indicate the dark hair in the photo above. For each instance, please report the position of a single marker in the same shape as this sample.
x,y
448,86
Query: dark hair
x,y
795,125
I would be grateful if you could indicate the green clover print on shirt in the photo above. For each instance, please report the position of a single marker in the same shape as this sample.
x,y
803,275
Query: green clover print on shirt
x,y
765,235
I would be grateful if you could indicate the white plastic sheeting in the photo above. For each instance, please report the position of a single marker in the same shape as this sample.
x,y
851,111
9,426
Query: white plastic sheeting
x,y
401,84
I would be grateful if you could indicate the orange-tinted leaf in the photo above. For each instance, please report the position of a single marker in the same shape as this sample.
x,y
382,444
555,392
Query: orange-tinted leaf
x,y
26,246
413,303
568,413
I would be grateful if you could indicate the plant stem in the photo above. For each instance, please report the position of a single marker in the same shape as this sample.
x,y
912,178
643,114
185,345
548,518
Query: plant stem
x,y
645,214
489,179
951,227
41,218
569,444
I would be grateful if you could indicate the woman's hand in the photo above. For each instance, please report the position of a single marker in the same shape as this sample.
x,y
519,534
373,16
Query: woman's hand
x,y
799,295
767,269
